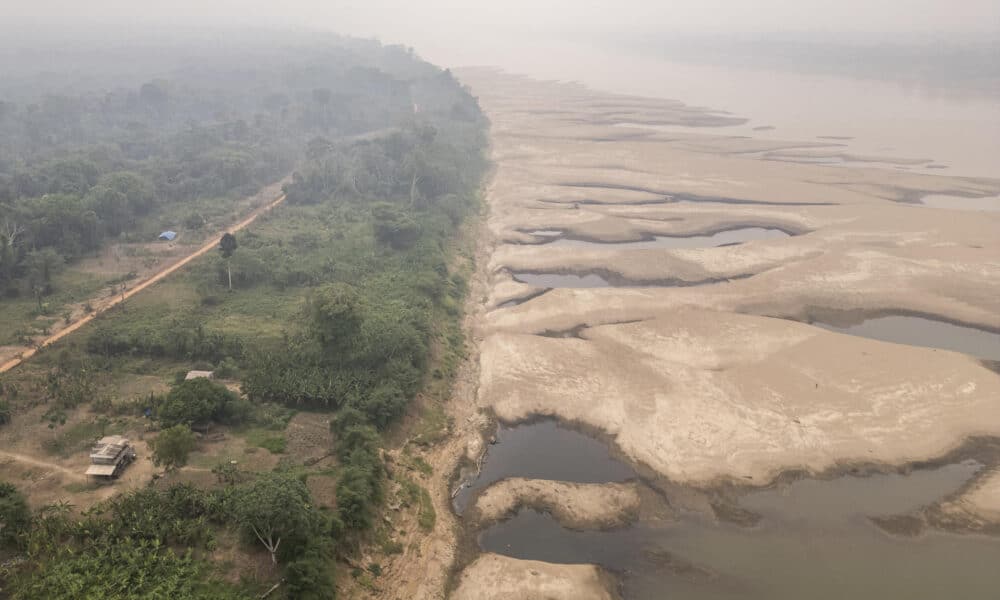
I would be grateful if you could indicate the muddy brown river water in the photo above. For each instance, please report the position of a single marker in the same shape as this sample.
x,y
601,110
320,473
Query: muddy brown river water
x,y
544,450
815,538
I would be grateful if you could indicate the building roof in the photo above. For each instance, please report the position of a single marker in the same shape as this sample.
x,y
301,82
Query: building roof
x,y
199,375
168,235
107,448
102,470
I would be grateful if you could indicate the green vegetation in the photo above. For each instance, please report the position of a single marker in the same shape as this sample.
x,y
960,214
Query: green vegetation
x,y
5,413
344,300
80,436
201,401
276,507
15,518
118,159
415,495
172,446
271,441
145,544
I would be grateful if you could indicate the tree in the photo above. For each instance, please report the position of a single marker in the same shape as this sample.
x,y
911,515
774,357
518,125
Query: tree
x,y
275,507
310,577
42,265
172,446
118,197
196,402
11,237
393,226
227,246
335,311
154,93
414,164
15,516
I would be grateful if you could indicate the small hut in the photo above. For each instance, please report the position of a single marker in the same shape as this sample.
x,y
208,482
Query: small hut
x,y
199,375
109,457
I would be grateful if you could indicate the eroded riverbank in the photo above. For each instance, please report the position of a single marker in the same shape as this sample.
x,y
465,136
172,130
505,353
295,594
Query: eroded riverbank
x,y
824,538
688,359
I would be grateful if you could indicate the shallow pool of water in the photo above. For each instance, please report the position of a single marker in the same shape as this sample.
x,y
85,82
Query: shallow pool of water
x,y
545,450
815,540
727,237
990,203
921,331
556,280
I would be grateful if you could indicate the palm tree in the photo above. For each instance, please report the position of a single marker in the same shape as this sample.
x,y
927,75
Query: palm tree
x,y
227,246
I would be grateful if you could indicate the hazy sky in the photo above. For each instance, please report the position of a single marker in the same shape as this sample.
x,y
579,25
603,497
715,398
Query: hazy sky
x,y
515,33
423,19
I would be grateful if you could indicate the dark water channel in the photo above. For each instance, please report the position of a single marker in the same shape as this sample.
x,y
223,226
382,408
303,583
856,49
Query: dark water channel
x,y
921,331
728,237
557,280
545,450
815,539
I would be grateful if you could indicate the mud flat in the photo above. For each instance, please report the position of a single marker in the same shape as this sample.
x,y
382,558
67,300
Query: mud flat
x,y
715,385
702,396
495,577
573,505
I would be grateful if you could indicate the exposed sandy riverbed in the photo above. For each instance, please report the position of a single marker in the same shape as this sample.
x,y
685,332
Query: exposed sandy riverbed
x,y
702,375
495,577
575,505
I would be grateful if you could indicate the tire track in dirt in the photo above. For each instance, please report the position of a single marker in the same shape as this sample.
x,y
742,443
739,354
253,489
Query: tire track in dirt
x,y
22,458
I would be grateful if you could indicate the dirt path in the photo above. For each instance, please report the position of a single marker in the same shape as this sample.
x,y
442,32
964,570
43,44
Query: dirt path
x,y
22,458
102,306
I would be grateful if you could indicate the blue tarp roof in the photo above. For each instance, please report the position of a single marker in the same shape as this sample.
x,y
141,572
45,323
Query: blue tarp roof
x,y
168,235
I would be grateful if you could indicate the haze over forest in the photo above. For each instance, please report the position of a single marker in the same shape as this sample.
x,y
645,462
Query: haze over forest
x,y
431,299
935,37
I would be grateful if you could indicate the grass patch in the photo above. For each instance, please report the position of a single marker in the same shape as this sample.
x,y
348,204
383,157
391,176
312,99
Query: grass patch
x,y
423,466
268,440
432,426
385,543
415,495
80,436
78,487
18,315
426,517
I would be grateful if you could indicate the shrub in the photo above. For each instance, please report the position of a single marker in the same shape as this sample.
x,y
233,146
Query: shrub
x,y
310,577
15,517
200,401
172,446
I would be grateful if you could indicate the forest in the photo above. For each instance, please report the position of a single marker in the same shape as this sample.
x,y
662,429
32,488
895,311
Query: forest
x,y
342,305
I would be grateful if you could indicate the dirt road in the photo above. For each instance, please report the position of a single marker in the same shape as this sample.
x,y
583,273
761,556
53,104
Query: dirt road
x,y
28,460
154,278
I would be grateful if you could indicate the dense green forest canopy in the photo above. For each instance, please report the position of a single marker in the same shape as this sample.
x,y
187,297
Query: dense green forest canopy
x,y
96,140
